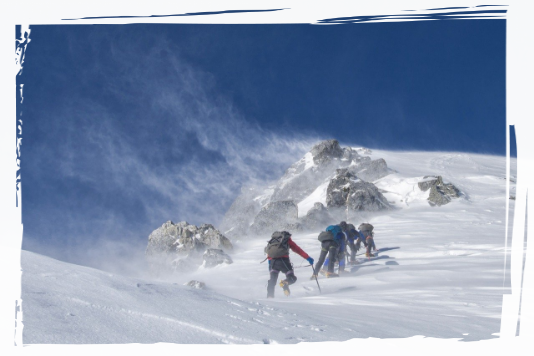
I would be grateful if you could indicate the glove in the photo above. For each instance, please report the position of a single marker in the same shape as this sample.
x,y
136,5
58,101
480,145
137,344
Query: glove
x,y
310,260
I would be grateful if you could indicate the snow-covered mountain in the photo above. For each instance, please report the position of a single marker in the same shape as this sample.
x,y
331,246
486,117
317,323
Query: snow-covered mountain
x,y
440,274
329,184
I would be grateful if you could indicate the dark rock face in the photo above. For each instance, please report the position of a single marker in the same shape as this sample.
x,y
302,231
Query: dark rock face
x,y
325,151
440,193
179,247
317,217
365,196
346,190
214,256
275,216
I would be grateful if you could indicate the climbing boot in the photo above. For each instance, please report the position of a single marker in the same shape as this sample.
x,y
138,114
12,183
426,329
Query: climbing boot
x,y
285,286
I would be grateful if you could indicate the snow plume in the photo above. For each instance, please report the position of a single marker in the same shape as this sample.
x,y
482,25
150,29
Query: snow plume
x,y
166,146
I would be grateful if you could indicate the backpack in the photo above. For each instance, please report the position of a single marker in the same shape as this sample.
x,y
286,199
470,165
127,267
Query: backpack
x,y
366,229
351,232
325,236
278,245
334,230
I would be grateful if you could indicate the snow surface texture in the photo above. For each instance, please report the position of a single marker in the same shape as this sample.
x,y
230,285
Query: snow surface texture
x,y
440,274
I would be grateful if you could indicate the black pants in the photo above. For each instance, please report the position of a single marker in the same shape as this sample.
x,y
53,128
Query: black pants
x,y
353,249
327,247
277,265
370,244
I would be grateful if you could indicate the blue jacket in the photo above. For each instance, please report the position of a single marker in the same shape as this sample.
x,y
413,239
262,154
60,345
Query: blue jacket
x,y
340,240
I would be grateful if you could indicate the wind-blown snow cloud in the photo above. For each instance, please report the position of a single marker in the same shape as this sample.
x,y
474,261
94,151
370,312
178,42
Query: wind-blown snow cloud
x,y
181,153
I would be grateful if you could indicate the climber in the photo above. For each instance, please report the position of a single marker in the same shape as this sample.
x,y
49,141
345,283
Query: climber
x,y
277,251
332,244
366,231
353,236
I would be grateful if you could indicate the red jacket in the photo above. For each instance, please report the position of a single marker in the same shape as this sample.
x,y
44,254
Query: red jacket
x,y
293,246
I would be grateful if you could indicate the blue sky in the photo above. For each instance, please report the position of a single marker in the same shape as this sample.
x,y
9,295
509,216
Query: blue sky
x,y
128,126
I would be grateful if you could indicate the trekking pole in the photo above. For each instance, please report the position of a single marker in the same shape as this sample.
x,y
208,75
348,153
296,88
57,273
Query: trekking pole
x,y
315,274
302,266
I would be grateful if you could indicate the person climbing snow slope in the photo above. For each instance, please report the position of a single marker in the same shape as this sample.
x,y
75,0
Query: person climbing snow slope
x,y
366,230
353,236
332,242
277,251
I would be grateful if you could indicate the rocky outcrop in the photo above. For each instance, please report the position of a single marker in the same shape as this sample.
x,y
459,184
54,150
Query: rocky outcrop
x,y
301,179
440,193
196,284
279,215
317,217
180,247
371,170
347,191
326,151
214,256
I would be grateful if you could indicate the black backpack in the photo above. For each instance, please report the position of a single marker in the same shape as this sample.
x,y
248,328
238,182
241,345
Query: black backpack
x,y
325,236
366,229
278,245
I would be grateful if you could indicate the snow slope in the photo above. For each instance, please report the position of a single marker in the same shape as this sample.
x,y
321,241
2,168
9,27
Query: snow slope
x,y
441,274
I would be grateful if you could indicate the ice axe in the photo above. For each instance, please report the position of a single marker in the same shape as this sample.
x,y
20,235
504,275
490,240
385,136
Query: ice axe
x,y
315,275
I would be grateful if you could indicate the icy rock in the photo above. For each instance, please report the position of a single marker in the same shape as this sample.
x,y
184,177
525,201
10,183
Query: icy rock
x,y
348,153
302,178
179,247
245,218
346,190
363,151
211,237
325,151
440,193
275,216
292,227
214,256
317,217
196,284
371,170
